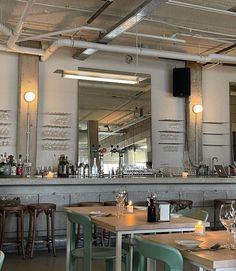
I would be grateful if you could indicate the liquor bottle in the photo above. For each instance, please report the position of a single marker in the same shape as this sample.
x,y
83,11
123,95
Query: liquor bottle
x,y
94,167
12,163
63,170
19,167
151,211
1,165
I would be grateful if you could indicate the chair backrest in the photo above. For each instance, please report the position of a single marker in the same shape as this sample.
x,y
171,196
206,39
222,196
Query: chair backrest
x,y
195,213
85,221
161,252
2,256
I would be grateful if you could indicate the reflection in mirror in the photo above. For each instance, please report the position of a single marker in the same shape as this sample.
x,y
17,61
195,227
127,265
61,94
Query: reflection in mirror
x,y
117,115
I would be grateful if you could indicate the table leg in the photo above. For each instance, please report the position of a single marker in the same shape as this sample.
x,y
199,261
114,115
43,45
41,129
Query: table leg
x,y
118,251
68,246
131,252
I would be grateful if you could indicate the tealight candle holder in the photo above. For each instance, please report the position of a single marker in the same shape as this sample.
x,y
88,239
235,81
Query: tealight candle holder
x,y
199,228
184,174
130,207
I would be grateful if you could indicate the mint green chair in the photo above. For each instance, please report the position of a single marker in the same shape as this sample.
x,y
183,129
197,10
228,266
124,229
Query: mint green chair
x,y
194,213
2,256
88,253
169,255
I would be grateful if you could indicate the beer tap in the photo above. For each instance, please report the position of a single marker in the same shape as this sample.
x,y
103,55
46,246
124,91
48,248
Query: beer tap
x,y
121,152
101,152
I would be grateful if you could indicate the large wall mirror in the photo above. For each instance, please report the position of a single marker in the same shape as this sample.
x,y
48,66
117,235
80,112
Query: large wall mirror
x,y
122,112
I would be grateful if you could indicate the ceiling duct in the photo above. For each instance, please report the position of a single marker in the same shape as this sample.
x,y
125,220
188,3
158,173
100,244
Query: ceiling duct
x,y
137,15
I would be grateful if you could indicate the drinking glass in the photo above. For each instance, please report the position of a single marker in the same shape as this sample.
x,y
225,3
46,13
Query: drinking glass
x,y
227,218
121,197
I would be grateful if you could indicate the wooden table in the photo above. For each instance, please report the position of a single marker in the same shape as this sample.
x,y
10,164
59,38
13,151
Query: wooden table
x,y
219,260
131,224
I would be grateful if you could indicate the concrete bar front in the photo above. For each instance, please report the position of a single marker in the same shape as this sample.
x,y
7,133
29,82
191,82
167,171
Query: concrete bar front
x,y
70,191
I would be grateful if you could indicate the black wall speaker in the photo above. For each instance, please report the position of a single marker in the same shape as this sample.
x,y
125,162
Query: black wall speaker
x,y
181,82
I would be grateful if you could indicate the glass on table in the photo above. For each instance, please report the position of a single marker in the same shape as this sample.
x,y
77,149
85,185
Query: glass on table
x,y
227,217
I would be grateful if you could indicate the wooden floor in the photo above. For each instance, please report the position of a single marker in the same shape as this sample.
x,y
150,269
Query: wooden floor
x,y
42,261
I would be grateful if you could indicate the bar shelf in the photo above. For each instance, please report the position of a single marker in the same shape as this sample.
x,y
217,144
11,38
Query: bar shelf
x,y
56,126
57,113
55,139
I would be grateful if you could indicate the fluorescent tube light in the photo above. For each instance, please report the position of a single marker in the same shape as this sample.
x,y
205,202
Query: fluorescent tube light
x,y
101,77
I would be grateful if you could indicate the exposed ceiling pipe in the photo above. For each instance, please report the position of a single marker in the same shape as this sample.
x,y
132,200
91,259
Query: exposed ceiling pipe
x,y
18,49
13,38
154,37
199,7
140,51
5,30
55,33
127,125
191,29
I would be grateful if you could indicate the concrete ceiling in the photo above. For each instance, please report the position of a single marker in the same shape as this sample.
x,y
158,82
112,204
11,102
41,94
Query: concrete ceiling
x,y
203,26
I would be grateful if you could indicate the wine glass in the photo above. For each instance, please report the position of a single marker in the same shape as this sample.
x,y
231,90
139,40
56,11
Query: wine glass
x,y
227,217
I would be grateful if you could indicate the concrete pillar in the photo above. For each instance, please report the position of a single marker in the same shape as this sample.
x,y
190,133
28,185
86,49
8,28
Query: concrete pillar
x,y
194,121
27,81
92,141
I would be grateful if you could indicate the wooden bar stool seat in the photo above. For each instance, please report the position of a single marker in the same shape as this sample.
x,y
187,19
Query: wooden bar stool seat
x,y
34,210
18,210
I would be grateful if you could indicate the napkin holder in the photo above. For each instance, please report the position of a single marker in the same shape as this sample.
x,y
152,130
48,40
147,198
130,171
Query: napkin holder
x,y
164,211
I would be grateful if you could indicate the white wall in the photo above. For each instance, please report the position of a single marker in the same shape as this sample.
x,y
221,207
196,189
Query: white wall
x,y
216,111
8,101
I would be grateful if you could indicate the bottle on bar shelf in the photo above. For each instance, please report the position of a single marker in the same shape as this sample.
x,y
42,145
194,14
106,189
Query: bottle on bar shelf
x,y
19,167
94,167
63,167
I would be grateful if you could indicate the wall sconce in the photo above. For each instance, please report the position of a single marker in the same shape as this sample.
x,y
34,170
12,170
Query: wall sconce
x,y
29,97
197,108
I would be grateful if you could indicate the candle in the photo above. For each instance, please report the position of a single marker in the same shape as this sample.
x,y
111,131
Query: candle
x,y
184,174
130,207
199,228
50,174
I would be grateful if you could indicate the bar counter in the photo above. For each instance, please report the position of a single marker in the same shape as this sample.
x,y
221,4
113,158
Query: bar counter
x,y
70,191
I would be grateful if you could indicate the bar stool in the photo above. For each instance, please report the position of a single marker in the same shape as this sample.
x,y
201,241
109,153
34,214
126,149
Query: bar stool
x,y
34,211
97,232
18,210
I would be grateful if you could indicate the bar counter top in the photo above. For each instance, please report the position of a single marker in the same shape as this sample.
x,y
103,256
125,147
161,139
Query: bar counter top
x,y
15,181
